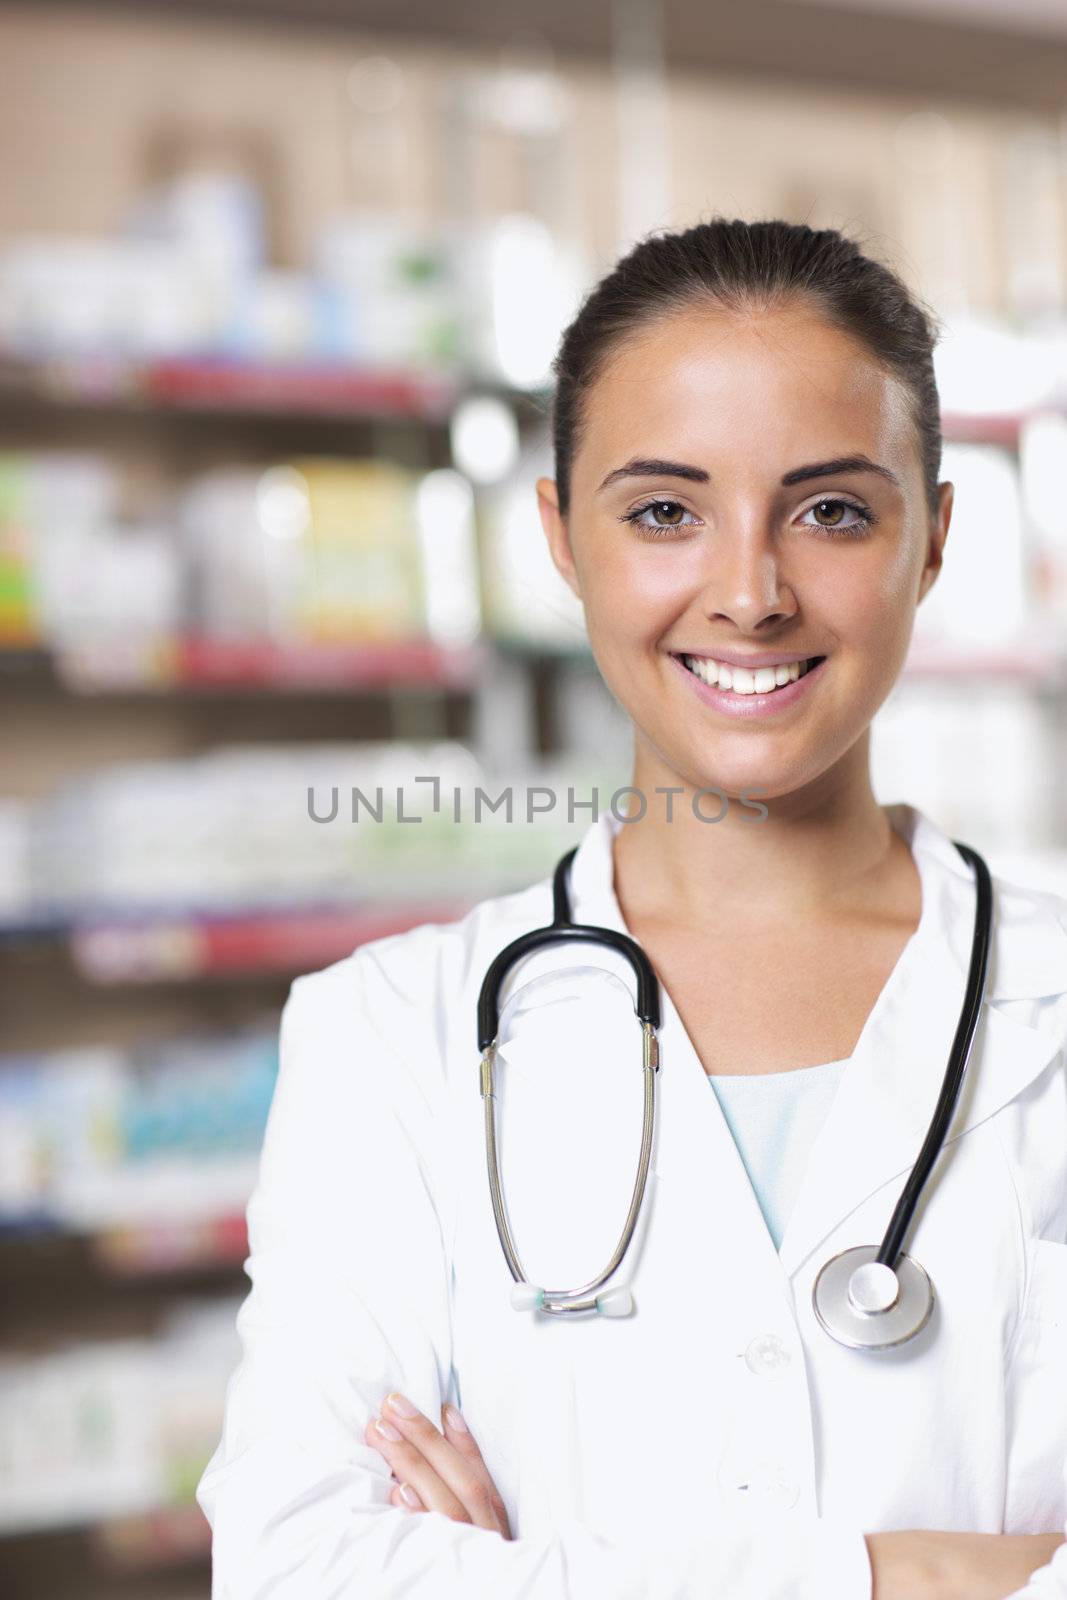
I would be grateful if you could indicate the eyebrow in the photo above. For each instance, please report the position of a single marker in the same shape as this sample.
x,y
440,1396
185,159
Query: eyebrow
x,y
652,467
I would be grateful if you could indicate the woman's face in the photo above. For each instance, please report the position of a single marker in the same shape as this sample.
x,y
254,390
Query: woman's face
x,y
707,518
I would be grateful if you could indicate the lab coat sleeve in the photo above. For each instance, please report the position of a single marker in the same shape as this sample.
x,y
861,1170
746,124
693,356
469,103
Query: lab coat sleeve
x,y
349,1300
1050,1581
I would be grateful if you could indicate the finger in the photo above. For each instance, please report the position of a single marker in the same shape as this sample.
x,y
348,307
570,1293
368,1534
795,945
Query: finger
x,y
404,1496
439,1467
459,1435
410,1466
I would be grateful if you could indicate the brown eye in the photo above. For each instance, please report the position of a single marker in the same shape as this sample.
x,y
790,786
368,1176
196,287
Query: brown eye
x,y
639,515
658,505
837,511
830,514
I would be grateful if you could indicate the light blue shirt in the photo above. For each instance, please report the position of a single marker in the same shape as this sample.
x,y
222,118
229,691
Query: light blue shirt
x,y
774,1118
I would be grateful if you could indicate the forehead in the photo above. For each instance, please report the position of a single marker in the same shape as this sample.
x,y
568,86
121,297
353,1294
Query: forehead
x,y
726,384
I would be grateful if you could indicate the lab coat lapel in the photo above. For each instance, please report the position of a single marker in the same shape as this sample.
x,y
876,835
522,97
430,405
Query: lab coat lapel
x,y
887,1096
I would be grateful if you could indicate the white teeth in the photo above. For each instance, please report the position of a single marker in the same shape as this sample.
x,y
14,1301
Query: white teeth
x,y
743,681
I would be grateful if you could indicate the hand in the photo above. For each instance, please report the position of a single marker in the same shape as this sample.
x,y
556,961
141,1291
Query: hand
x,y
926,1564
445,1469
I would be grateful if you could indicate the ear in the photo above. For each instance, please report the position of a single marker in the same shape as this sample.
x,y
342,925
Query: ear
x,y
559,543
936,543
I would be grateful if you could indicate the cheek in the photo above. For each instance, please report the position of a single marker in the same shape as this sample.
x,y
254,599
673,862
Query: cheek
x,y
628,595
627,586
875,599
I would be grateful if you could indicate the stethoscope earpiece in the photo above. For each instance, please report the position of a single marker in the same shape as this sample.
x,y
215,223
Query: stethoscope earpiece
x,y
617,1301
527,1297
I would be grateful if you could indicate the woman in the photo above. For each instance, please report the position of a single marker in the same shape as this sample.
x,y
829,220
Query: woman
x,y
747,504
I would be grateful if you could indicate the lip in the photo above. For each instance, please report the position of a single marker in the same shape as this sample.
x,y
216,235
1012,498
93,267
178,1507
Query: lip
x,y
751,705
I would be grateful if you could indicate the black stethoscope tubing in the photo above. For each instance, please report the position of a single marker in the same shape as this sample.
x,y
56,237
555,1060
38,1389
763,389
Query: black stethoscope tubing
x,y
562,928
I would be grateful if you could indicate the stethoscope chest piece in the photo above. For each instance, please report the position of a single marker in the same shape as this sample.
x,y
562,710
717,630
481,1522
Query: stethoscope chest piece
x,y
867,1305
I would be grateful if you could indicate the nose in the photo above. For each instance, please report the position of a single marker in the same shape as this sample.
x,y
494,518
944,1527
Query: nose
x,y
744,582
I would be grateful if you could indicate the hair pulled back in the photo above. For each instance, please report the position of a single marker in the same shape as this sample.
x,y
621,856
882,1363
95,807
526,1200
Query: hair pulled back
x,y
740,265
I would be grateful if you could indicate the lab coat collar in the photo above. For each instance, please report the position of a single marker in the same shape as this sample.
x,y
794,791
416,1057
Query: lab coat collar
x,y
879,1117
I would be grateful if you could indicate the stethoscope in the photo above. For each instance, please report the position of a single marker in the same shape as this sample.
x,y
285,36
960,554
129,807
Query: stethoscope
x,y
869,1297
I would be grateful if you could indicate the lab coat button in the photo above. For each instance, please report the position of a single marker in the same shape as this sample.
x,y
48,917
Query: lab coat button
x,y
757,1484
767,1353
772,1486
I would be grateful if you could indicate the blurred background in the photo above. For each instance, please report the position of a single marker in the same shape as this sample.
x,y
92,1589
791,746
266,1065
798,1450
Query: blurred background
x,y
280,283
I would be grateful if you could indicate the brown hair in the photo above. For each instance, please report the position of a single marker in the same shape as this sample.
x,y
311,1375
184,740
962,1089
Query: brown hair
x,y
740,264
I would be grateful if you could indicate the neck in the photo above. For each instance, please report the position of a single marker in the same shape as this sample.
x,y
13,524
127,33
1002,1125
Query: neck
x,y
820,850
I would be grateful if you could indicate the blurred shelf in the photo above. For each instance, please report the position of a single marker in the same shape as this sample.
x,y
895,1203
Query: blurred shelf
x,y
164,1248
147,1540
177,948
203,666
959,427
216,385
135,1542
1038,661
140,1250
199,664
323,388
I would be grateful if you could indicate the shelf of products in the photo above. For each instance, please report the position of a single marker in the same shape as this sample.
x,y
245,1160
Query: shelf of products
x,y
159,1249
284,942
205,664
113,1434
218,385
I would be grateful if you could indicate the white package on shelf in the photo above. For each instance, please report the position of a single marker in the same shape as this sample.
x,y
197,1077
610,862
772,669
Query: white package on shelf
x,y
77,1435
979,763
1043,461
16,872
98,583
981,595
83,295
234,831
116,1427
387,281
526,599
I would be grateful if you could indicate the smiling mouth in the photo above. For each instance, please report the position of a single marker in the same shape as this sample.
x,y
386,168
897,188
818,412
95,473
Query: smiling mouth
x,y
747,680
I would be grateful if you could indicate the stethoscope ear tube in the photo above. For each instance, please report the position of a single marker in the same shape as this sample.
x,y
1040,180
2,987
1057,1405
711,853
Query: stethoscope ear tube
x,y
616,1301
562,929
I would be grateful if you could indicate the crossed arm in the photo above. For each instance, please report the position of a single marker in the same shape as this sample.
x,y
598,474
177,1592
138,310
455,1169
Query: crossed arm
x,y
442,1470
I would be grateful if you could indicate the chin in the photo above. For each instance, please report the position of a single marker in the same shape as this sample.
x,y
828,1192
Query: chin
x,y
765,780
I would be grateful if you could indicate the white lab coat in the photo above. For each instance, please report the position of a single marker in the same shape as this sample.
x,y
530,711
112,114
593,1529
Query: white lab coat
x,y
715,1443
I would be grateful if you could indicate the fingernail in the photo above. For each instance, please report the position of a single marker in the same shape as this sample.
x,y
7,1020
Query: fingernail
x,y
410,1496
387,1430
454,1420
402,1406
